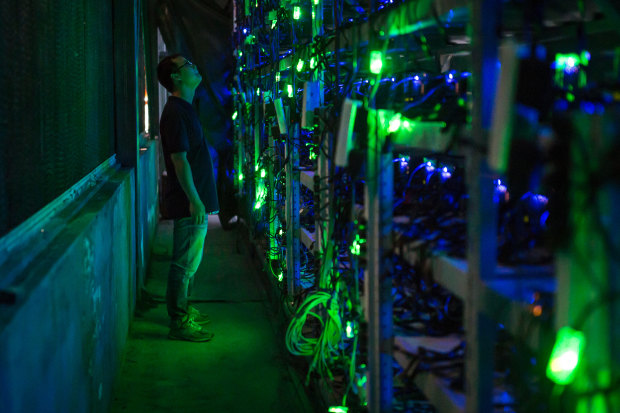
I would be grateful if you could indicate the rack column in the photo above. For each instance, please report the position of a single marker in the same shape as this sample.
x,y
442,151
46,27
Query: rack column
x,y
481,212
293,226
380,183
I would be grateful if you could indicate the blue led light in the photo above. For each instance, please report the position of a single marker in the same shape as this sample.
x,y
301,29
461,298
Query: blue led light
x,y
588,107
445,173
561,104
500,187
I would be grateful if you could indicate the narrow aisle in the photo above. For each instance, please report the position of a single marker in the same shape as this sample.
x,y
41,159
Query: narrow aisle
x,y
243,369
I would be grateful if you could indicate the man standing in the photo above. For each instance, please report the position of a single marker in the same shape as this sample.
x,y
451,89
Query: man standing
x,y
191,194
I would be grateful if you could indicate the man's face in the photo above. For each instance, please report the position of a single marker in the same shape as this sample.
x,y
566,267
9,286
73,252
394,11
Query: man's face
x,y
187,72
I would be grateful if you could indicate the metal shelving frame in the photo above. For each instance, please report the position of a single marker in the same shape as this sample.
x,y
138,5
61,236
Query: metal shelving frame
x,y
491,294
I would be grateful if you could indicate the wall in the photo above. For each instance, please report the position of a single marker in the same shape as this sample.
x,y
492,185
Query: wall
x,y
148,205
61,341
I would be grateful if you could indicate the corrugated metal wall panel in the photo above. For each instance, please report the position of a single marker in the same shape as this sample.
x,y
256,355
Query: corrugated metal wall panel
x,y
57,105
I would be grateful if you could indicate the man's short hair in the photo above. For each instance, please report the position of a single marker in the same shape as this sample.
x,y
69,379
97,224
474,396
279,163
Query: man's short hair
x,y
165,68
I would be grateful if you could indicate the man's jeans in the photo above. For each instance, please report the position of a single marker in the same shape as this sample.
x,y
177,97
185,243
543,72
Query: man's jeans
x,y
188,242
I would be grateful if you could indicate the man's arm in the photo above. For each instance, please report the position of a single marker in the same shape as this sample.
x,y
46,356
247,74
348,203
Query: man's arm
x,y
184,175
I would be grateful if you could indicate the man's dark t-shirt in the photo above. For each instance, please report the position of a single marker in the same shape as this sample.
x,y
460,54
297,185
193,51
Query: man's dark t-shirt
x,y
181,132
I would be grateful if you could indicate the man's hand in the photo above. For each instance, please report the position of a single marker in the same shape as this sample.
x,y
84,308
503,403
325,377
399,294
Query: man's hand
x,y
184,175
197,210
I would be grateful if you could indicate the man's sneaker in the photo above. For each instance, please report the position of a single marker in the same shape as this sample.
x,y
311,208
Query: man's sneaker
x,y
197,316
189,331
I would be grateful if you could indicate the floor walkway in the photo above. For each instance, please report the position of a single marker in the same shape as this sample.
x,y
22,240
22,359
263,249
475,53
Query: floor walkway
x,y
243,369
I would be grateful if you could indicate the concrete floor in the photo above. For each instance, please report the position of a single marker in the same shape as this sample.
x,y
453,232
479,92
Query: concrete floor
x,y
243,369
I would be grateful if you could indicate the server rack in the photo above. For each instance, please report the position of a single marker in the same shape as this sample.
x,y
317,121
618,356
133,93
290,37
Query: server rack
x,y
492,294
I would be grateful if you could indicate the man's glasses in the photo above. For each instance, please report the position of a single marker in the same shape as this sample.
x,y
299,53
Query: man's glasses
x,y
187,63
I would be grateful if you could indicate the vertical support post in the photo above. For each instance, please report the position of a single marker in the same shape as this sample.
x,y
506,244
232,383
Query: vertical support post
x,y
255,133
293,226
239,161
273,216
380,182
126,101
481,222
126,82
151,51
322,212
256,129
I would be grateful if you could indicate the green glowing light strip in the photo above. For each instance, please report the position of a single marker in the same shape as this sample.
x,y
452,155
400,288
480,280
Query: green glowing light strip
x,y
565,356
38,230
404,19
415,16
376,61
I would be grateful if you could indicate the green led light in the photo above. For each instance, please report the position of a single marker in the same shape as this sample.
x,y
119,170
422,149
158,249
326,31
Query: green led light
x,y
567,61
280,276
571,63
356,246
312,62
234,116
394,123
565,355
338,409
461,102
300,65
255,168
240,53
361,381
260,197
296,12
240,177
257,91
277,76
585,58
316,2
263,173
312,156
289,89
273,24
570,97
376,62
350,332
